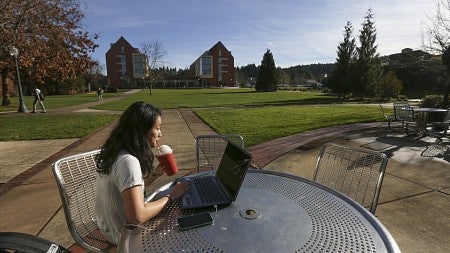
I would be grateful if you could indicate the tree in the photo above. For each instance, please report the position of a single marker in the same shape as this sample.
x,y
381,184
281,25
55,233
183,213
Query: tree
x,y
340,80
93,76
437,29
388,86
53,44
446,62
155,53
438,39
267,78
368,67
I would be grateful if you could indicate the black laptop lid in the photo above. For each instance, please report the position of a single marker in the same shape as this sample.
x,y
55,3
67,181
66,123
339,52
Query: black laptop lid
x,y
232,168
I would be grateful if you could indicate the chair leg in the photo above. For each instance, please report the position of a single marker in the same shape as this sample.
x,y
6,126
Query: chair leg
x,y
407,132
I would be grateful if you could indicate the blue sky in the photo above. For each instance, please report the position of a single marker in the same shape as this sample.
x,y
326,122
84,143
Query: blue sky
x,y
297,32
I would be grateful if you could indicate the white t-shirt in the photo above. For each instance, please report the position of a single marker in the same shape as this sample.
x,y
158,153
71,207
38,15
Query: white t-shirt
x,y
109,206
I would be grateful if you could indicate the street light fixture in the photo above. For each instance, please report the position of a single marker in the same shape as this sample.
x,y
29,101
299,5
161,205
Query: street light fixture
x,y
13,51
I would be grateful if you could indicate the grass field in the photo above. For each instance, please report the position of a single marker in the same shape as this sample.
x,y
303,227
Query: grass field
x,y
41,127
258,116
57,101
260,124
200,98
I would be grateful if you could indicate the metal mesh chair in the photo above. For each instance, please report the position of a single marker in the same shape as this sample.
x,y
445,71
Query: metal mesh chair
x,y
356,172
404,112
25,243
209,149
389,118
76,178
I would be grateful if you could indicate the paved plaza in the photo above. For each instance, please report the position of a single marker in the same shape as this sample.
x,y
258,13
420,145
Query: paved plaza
x,y
414,202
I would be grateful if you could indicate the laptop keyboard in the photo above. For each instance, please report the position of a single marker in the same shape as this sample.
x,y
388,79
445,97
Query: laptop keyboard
x,y
207,190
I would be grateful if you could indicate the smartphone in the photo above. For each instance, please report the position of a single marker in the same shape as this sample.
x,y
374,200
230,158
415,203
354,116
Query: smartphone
x,y
194,221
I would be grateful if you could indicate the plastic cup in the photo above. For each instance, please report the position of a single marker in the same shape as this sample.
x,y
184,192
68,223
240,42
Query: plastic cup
x,y
165,157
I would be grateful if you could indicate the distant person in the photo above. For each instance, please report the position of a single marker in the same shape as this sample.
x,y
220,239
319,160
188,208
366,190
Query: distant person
x,y
125,162
100,94
38,97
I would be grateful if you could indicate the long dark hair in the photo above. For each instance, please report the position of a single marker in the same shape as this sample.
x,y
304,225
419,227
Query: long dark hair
x,y
132,133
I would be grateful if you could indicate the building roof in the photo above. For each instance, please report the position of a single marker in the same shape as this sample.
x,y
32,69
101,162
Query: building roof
x,y
122,41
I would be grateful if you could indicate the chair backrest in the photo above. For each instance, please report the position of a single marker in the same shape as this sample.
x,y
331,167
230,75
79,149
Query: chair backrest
x,y
355,172
404,112
382,111
385,115
209,149
389,118
76,179
446,118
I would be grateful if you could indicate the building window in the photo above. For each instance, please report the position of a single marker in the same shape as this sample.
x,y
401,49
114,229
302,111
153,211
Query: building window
x,y
206,66
123,64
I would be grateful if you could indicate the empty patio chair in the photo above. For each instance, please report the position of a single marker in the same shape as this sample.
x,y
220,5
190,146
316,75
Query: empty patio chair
x,y
209,149
389,118
76,178
355,172
404,113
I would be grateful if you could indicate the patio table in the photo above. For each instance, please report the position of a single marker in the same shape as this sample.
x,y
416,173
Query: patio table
x,y
274,212
422,118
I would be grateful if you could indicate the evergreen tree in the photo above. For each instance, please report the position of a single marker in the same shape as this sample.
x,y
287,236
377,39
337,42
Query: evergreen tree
x,y
389,86
368,67
267,78
340,80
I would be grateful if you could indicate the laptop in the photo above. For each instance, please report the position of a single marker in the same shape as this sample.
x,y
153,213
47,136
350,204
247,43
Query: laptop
x,y
220,187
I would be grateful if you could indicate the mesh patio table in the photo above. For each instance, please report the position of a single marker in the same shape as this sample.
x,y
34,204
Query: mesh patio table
x,y
423,115
274,212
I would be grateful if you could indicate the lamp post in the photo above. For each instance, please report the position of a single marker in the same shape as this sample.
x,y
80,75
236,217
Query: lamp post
x,y
13,51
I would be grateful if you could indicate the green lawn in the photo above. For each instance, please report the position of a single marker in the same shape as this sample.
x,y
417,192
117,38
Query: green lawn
x,y
260,124
42,126
200,98
56,101
258,116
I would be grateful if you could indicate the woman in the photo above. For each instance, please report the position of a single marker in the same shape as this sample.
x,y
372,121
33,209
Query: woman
x,y
125,160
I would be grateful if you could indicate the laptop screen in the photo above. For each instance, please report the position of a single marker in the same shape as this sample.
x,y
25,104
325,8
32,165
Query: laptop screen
x,y
232,168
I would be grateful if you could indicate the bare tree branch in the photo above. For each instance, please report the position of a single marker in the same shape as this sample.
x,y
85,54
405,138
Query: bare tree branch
x,y
155,52
436,37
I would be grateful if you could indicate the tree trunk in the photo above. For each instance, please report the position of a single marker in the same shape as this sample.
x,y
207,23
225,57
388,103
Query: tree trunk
x,y
446,90
5,97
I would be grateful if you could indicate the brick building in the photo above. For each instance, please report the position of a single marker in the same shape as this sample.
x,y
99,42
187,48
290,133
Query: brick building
x,y
119,64
215,67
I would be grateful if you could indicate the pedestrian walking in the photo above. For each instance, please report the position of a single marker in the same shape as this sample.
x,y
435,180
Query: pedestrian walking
x,y
100,94
38,98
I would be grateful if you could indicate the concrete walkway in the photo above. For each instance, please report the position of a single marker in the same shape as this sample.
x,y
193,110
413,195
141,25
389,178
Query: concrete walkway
x,y
414,203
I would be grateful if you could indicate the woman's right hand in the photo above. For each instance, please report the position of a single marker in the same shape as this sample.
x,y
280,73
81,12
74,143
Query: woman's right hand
x,y
179,189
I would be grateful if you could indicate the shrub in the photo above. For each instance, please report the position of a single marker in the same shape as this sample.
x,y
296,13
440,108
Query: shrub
x,y
432,101
402,98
